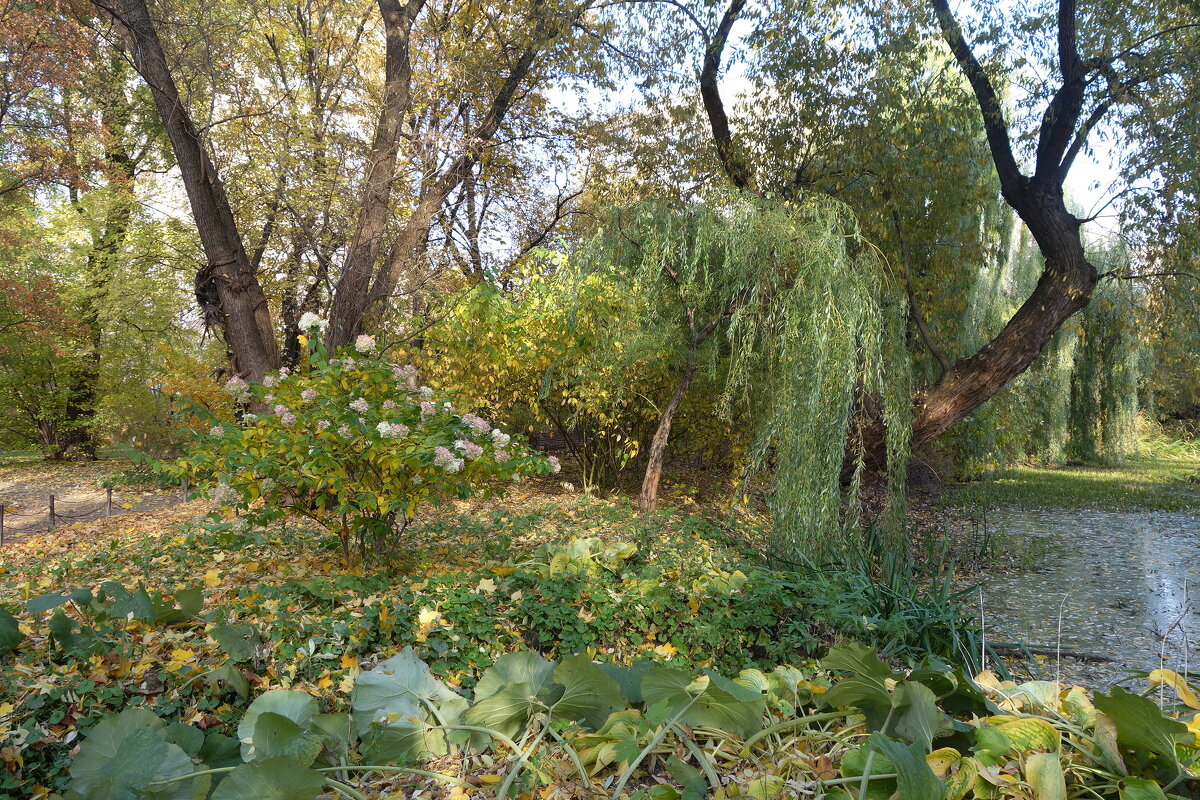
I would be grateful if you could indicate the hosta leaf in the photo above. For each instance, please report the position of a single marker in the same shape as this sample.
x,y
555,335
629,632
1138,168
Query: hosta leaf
x,y
124,754
1140,723
629,678
510,668
507,710
10,632
274,779
240,642
589,695
1141,789
298,707
397,686
1044,774
1166,677
45,602
1030,735
914,778
920,720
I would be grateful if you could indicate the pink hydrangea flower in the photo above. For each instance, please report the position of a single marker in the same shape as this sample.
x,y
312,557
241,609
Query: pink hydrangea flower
x,y
469,448
478,425
555,464
309,394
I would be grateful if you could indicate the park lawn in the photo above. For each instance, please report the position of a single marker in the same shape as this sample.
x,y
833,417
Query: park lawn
x,y
1149,483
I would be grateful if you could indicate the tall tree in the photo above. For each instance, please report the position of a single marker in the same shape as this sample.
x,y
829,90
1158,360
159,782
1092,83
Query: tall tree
x,y
1124,56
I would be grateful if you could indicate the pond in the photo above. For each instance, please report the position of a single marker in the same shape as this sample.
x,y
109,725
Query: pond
x,y
1120,586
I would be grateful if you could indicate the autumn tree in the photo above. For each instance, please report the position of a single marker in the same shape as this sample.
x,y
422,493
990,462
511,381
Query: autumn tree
x,y
828,81
377,248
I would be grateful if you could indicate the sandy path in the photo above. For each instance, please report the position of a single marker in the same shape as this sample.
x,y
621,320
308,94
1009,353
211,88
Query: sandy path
x,y
26,486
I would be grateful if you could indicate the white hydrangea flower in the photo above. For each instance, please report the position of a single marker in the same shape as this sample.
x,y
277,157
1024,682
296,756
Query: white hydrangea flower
x,y
309,320
365,344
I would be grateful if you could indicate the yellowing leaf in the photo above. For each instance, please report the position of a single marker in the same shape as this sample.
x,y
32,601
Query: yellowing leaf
x,y
1165,677
212,579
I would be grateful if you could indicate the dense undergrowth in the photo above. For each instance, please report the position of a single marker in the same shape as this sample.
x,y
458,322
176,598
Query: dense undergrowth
x,y
169,618
257,609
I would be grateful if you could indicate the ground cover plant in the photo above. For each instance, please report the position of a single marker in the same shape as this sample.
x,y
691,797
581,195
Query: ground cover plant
x,y
546,569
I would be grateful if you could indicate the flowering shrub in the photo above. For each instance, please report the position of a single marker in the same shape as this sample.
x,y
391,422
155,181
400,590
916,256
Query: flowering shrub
x,y
351,445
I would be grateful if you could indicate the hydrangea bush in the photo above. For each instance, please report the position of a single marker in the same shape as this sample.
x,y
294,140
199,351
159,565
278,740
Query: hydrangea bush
x,y
352,443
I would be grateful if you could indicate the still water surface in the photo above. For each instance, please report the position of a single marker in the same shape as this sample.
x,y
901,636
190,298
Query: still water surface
x,y
1123,585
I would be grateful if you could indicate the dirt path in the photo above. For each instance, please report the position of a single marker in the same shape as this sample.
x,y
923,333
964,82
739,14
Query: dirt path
x,y
79,496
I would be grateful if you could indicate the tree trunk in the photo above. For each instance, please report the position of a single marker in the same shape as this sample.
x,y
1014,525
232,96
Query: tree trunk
x,y
228,279
1065,287
648,499
350,299
362,289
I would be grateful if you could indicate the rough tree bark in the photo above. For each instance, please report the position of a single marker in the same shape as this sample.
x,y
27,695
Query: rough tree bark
x,y
228,279
354,285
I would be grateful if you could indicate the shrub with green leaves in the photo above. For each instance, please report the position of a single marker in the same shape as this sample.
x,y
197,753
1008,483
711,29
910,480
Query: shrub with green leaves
x,y
352,443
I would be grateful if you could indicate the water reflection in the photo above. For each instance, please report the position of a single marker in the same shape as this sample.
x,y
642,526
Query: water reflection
x,y
1123,585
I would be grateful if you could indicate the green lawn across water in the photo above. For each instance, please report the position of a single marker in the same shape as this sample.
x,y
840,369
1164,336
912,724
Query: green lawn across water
x,y
1151,483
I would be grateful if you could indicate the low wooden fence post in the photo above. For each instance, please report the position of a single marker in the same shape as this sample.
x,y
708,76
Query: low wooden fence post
x,y
108,508
1,524
51,526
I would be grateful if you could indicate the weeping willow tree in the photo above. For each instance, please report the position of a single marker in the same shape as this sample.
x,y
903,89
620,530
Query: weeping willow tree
x,y
787,303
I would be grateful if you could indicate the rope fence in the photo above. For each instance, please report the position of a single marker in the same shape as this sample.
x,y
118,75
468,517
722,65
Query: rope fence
x,y
55,514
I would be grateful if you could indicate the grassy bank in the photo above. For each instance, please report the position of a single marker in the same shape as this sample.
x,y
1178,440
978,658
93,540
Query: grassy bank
x,y
1154,482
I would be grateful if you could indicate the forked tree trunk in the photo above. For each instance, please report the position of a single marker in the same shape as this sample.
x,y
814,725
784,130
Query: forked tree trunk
x,y
1066,285
1068,280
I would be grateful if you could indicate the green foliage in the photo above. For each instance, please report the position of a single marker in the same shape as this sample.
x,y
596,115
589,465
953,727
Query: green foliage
x,y
881,727
350,444
808,322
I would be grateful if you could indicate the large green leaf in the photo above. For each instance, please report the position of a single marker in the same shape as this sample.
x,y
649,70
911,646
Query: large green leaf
x,y
298,707
407,738
1044,773
400,684
629,678
860,660
1141,789
1141,725
125,754
589,695
239,641
507,710
45,602
914,778
719,702
920,719
276,736
220,751
274,779
510,668
511,691
10,632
